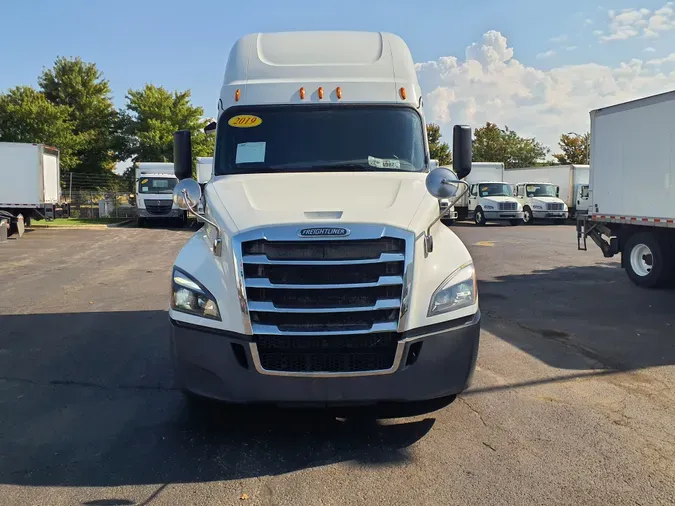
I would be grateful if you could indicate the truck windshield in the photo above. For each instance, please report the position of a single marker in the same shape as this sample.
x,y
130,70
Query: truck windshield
x,y
157,184
308,138
541,190
495,190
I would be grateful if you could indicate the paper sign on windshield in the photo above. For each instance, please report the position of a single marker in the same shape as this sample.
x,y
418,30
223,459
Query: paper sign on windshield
x,y
143,181
381,163
250,152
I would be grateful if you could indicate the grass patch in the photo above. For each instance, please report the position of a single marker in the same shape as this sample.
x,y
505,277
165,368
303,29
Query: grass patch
x,y
77,221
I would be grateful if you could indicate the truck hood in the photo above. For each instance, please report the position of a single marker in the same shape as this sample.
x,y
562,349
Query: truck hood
x,y
497,200
547,200
255,200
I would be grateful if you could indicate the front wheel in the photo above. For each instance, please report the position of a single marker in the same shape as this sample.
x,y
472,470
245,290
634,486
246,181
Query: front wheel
x,y
479,217
528,219
647,261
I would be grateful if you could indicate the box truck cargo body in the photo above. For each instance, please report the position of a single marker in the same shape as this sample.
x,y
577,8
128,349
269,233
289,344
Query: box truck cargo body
x,y
632,187
322,274
30,181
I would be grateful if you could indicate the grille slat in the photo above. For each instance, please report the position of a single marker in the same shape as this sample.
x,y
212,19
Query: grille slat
x,y
554,207
323,294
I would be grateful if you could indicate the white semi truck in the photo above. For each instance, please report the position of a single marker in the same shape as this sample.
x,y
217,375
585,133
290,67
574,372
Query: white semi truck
x,y
489,198
571,190
632,188
29,183
322,274
155,182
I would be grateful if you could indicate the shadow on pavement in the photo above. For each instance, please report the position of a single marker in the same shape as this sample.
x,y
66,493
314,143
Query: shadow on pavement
x,y
88,400
582,317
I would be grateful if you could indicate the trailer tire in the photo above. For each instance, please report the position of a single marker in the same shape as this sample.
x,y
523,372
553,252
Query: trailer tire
x,y
647,260
528,218
479,216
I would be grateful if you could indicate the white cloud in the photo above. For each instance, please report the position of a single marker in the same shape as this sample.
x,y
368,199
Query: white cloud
x,y
588,21
546,54
643,22
491,85
570,48
558,39
660,61
649,50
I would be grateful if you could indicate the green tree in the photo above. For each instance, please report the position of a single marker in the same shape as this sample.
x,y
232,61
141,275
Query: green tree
x,y
27,116
575,148
80,87
493,144
438,150
153,115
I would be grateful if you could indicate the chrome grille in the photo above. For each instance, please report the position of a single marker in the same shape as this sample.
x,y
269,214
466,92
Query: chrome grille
x,y
554,207
508,206
318,305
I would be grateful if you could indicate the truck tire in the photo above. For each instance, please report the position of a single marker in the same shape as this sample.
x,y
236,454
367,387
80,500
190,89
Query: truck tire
x,y
647,260
448,222
479,217
528,218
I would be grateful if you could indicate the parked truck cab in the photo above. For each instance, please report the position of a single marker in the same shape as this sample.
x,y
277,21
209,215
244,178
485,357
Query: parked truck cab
x,y
322,274
155,182
540,201
489,197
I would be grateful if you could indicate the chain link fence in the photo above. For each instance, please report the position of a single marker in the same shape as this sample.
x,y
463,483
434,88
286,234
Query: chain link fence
x,y
94,196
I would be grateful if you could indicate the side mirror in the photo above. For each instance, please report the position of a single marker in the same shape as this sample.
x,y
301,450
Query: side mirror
x,y
182,154
461,150
186,194
442,183
433,164
557,191
210,128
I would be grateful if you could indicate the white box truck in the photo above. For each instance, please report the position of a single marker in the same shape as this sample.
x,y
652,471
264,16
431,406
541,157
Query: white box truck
x,y
489,198
30,182
155,182
572,189
632,188
322,274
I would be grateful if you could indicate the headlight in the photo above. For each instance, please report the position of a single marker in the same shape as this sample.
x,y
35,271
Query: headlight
x,y
457,291
489,207
189,296
537,207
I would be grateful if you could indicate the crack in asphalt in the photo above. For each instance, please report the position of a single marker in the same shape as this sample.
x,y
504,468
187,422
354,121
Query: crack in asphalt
x,y
86,384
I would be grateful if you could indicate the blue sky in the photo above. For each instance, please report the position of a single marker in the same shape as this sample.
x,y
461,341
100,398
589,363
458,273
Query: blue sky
x,y
184,45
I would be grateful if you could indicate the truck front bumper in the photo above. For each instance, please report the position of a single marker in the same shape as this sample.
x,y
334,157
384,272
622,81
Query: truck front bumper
x,y
550,215
173,213
503,215
435,362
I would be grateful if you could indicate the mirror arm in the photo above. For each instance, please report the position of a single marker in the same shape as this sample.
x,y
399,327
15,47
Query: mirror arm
x,y
217,242
428,238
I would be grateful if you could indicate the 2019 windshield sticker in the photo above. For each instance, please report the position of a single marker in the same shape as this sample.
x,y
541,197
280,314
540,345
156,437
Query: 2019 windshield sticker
x,y
381,163
245,121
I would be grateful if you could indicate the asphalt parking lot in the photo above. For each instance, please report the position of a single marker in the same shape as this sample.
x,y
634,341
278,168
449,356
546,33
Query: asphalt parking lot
x,y
573,401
